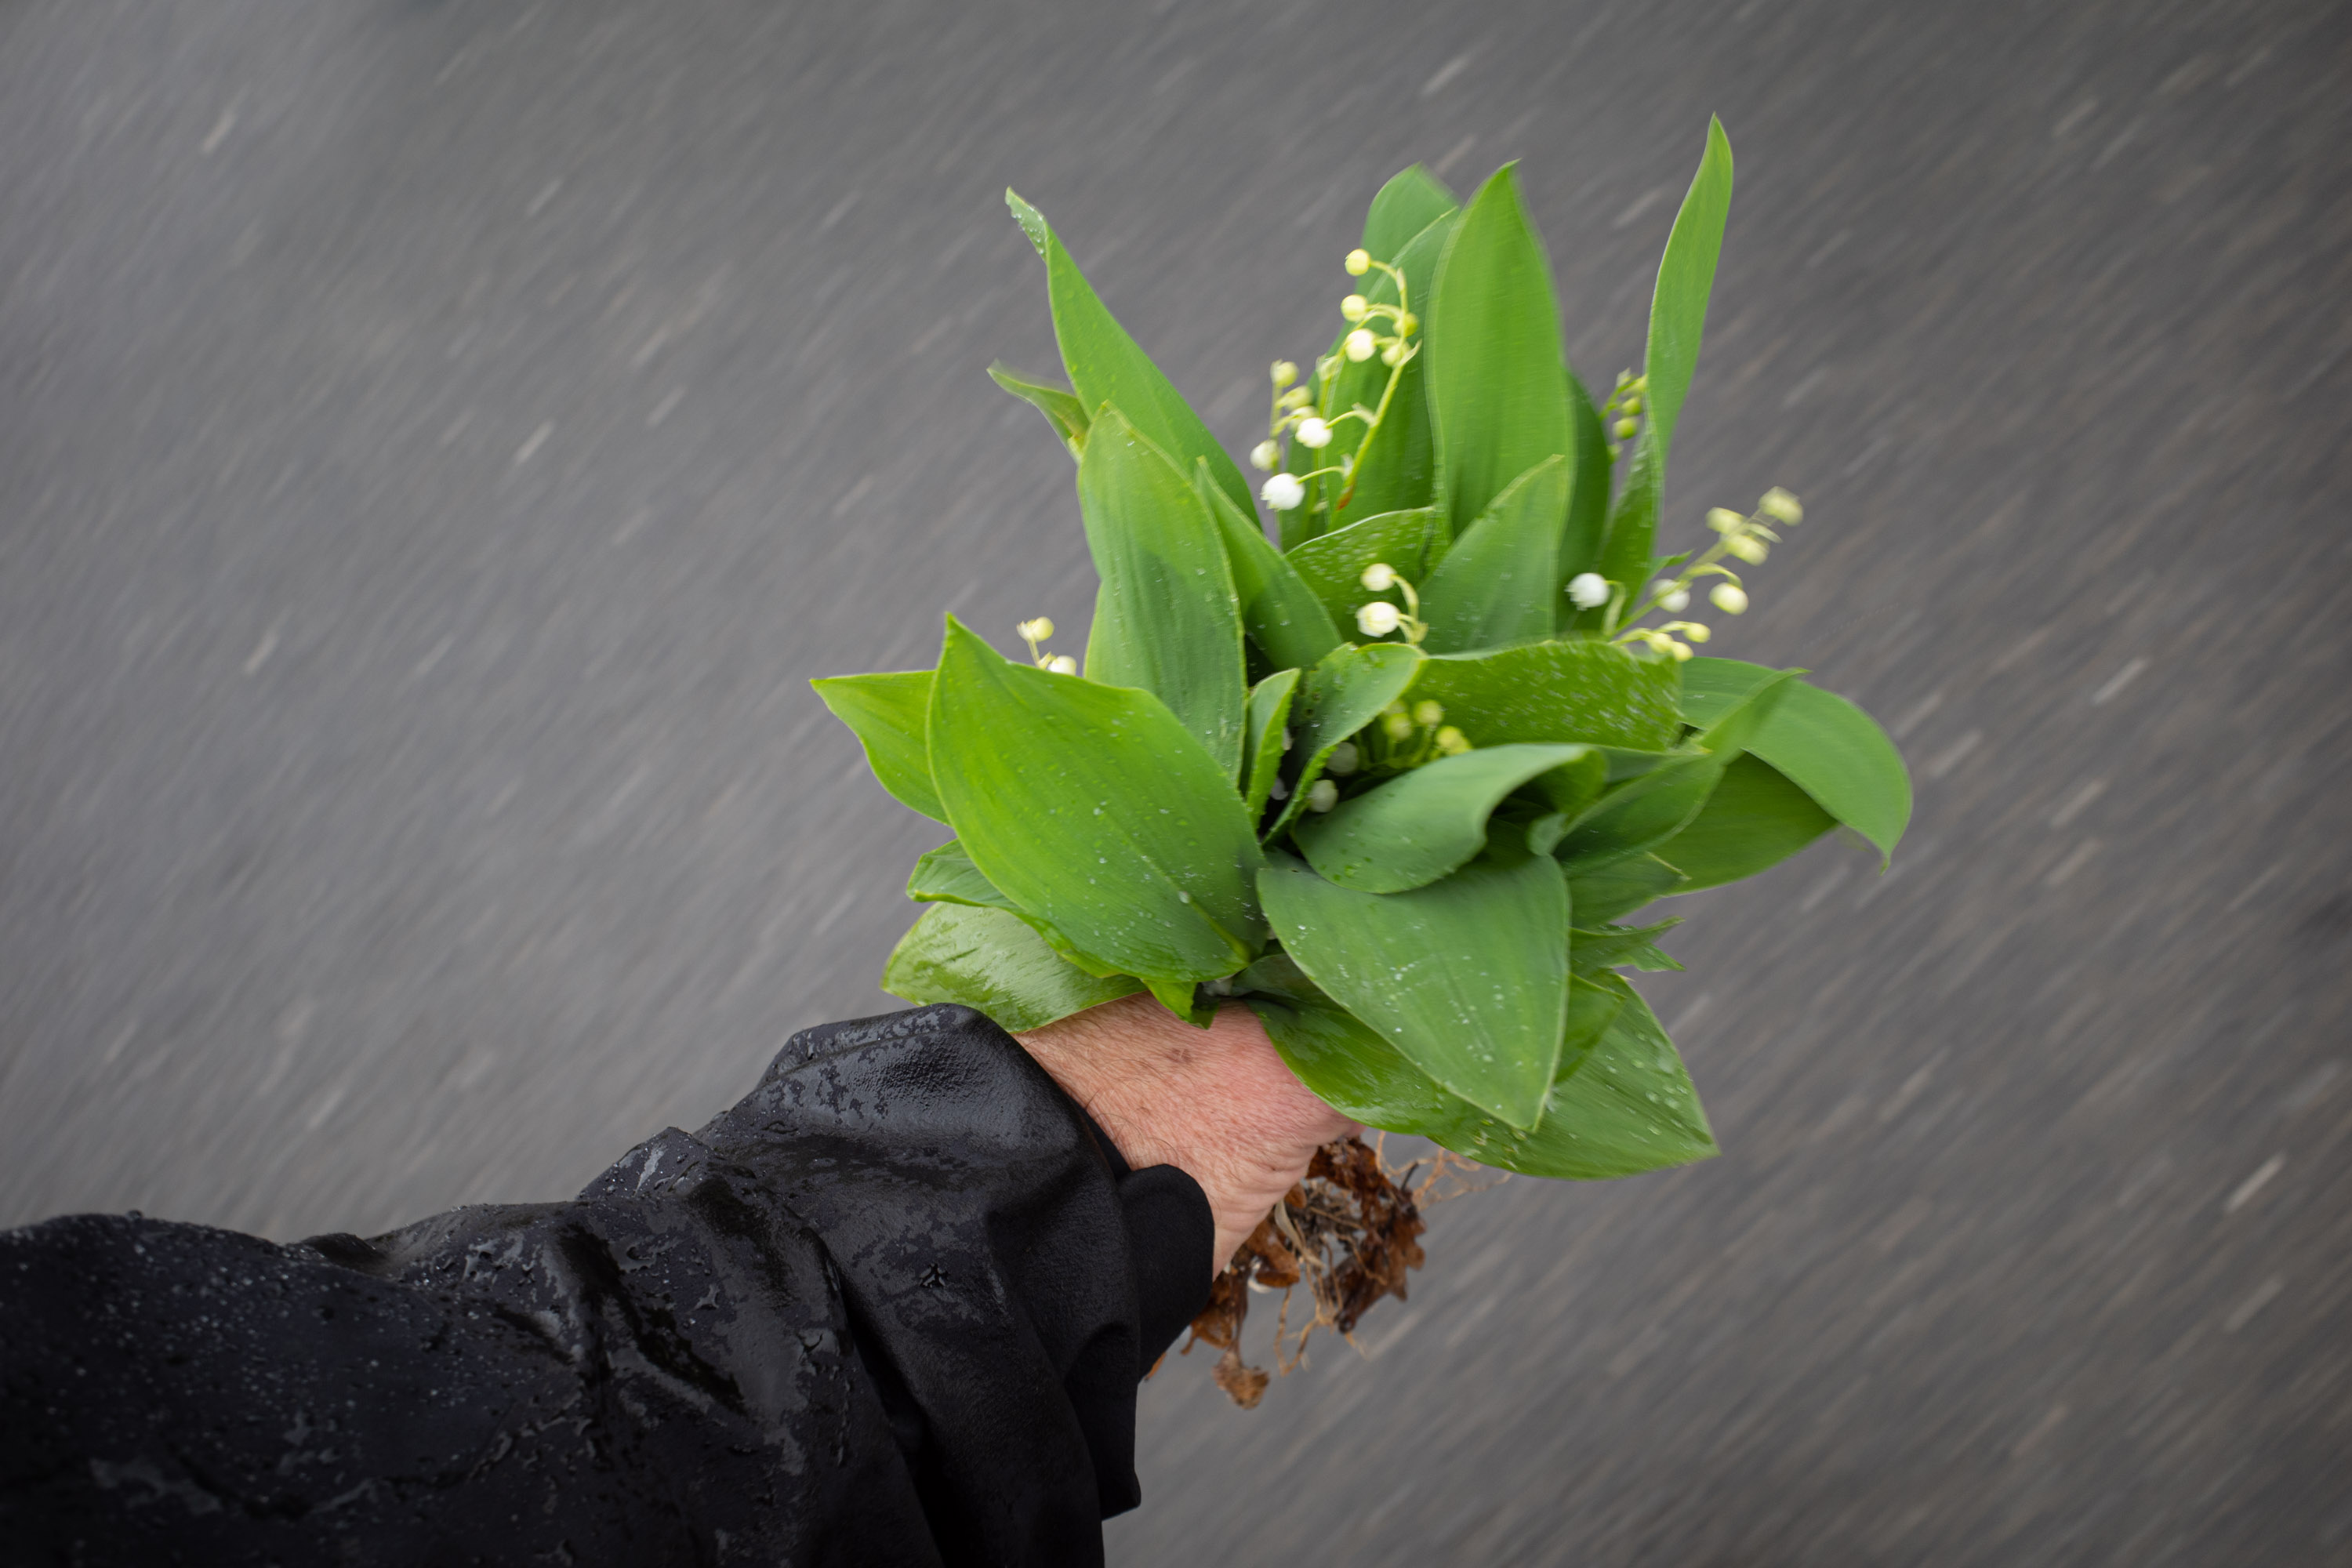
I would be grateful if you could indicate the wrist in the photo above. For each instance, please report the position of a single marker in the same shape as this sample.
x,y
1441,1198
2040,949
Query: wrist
x,y
1217,1103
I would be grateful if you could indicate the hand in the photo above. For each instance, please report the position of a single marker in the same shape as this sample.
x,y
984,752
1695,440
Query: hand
x,y
1216,1103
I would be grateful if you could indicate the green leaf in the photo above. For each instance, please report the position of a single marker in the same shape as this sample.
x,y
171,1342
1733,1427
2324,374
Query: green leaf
x,y
1663,796
1639,814
1611,891
1498,394
1332,566
1591,951
1269,737
1349,1066
886,712
1827,746
1167,617
1106,366
1405,206
1497,584
1058,405
1581,690
1467,976
1630,1108
988,960
946,874
1677,318
1422,824
1396,466
1344,692
1281,613
1587,505
1094,809
1754,819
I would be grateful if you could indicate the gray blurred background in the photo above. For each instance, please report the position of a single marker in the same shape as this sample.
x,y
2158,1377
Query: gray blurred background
x,y
439,439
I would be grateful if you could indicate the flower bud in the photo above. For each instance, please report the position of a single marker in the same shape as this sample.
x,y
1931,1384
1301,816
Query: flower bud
x,y
1379,577
1285,372
1354,306
1587,590
1428,714
1780,506
1453,741
1297,397
1672,598
1359,262
1749,548
1323,796
1283,492
1625,428
1264,455
1630,406
1696,632
1393,355
1314,434
1061,664
1681,650
1397,726
1730,598
1039,630
1723,520
1407,324
1377,619
1345,759
1361,344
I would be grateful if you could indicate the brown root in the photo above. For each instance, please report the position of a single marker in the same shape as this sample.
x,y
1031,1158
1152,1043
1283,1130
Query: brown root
x,y
1349,1232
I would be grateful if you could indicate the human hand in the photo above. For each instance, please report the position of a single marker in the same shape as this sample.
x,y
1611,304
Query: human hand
x,y
1216,1103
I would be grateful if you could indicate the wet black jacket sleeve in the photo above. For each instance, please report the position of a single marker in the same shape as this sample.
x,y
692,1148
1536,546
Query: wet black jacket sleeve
x,y
891,1309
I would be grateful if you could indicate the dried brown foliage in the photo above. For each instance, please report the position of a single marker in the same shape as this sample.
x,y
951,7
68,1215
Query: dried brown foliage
x,y
1349,1232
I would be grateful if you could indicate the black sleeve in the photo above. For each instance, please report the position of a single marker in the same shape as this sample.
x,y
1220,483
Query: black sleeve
x,y
890,1309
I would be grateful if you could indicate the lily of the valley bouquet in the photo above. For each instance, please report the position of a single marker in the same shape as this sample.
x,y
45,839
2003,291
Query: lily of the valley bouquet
x,y
1400,782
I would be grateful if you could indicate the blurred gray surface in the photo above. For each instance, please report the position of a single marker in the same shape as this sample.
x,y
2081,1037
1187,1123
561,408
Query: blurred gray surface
x,y
438,438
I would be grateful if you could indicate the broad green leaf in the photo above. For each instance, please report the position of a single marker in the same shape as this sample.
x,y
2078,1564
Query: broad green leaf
x,y
1587,505
886,712
1422,824
1343,1061
1349,1066
1639,814
1467,976
1344,692
1094,809
1608,946
1609,893
946,874
1396,465
1269,737
1167,617
1106,366
1496,585
1332,566
1754,819
1630,1108
1677,318
1280,612
1498,396
1581,690
1060,406
1407,204
988,960
1827,746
